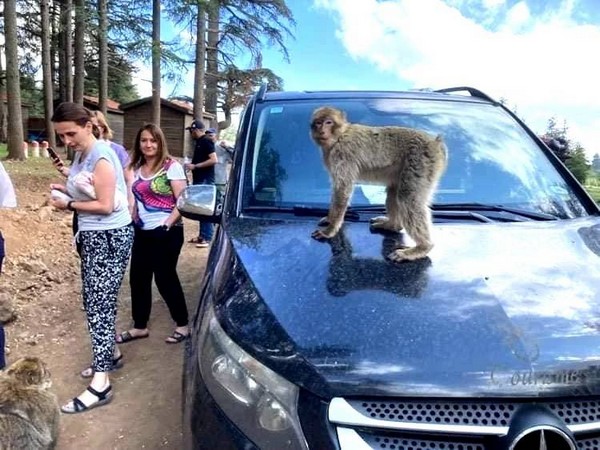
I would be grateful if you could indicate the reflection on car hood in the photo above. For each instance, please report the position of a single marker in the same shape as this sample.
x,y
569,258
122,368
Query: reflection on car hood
x,y
496,309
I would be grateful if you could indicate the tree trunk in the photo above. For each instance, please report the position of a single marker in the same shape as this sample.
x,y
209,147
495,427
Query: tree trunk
x,y
212,65
65,53
79,51
13,88
54,41
2,105
227,122
103,55
47,72
200,60
156,62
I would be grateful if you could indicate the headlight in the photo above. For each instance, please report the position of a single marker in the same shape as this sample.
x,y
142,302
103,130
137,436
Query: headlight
x,y
259,401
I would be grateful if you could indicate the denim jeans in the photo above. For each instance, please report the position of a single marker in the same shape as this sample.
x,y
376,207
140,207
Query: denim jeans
x,y
2,360
206,228
1,251
206,231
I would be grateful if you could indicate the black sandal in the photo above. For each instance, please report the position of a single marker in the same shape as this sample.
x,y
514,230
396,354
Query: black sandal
x,y
176,337
126,336
117,363
77,406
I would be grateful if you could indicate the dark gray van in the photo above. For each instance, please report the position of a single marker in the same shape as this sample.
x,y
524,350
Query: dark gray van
x,y
491,342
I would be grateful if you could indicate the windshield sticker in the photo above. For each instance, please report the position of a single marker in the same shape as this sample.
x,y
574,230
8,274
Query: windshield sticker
x,y
276,110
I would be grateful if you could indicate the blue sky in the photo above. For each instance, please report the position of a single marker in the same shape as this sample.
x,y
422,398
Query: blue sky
x,y
539,55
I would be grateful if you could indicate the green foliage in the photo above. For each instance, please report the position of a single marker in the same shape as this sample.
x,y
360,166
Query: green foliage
x,y
596,163
239,84
129,27
571,153
577,163
228,134
120,85
247,24
592,185
3,151
32,96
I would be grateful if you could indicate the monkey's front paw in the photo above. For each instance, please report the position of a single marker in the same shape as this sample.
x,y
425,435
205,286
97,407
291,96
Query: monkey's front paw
x,y
321,234
379,220
323,221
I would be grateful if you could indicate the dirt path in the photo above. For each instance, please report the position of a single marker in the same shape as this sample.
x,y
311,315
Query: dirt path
x,y
146,410
41,279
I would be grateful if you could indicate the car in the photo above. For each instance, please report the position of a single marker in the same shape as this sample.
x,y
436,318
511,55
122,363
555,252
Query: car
x,y
492,341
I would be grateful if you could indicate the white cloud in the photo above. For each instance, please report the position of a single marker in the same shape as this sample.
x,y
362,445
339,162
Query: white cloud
x,y
492,4
518,16
543,64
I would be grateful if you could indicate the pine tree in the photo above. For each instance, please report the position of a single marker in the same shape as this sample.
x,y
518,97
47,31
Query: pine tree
x,y
596,163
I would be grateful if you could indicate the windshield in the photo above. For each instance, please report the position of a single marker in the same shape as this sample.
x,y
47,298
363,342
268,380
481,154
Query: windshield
x,y
491,160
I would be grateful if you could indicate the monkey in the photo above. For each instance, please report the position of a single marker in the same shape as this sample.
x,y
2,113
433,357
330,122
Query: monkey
x,y
29,412
409,161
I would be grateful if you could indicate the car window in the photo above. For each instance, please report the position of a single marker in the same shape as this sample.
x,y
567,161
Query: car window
x,y
491,159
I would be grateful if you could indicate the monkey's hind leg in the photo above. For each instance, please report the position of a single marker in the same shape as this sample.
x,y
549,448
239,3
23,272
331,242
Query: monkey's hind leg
x,y
416,219
392,221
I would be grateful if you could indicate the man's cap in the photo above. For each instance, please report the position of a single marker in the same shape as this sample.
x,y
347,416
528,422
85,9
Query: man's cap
x,y
195,125
211,131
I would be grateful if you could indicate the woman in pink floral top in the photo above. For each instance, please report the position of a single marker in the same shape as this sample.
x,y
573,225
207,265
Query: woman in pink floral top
x,y
158,181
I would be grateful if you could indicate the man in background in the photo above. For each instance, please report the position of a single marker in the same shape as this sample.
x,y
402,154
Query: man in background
x,y
202,166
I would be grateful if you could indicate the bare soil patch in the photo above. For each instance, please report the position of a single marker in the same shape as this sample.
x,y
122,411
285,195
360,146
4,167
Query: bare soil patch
x,y
41,280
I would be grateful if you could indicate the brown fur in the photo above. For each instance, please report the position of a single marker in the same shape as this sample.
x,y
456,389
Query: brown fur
x,y
409,162
29,413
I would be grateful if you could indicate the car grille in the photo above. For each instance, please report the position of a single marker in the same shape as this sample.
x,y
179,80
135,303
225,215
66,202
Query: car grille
x,y
457,424
389,443
434,412
588,444
472,413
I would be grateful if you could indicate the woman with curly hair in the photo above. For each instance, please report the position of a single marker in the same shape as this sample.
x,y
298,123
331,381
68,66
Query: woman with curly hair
x,y
158,181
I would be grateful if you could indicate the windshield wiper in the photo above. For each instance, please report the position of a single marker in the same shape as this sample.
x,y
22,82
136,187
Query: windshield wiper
x,y
300,210
482,208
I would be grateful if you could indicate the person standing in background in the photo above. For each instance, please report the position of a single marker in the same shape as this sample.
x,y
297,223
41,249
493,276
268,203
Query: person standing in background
x,y
203,172
106,135
8,199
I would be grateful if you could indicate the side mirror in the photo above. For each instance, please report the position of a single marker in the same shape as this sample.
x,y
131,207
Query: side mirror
x,y
201,202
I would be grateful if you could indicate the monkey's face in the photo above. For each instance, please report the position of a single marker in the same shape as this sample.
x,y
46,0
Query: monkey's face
x,y
327,125
30,371
322,128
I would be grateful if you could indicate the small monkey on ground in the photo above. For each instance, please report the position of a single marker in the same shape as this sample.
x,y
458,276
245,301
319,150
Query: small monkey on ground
x,y
408,161
29,413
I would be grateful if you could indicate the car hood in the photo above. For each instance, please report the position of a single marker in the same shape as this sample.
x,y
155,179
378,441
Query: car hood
x,y
507,309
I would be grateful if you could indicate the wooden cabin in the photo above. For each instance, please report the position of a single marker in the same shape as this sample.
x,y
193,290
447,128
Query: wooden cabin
x,y
175,116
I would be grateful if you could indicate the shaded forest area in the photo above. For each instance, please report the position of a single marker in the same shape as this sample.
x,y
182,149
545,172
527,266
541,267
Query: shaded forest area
x,y
61,50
